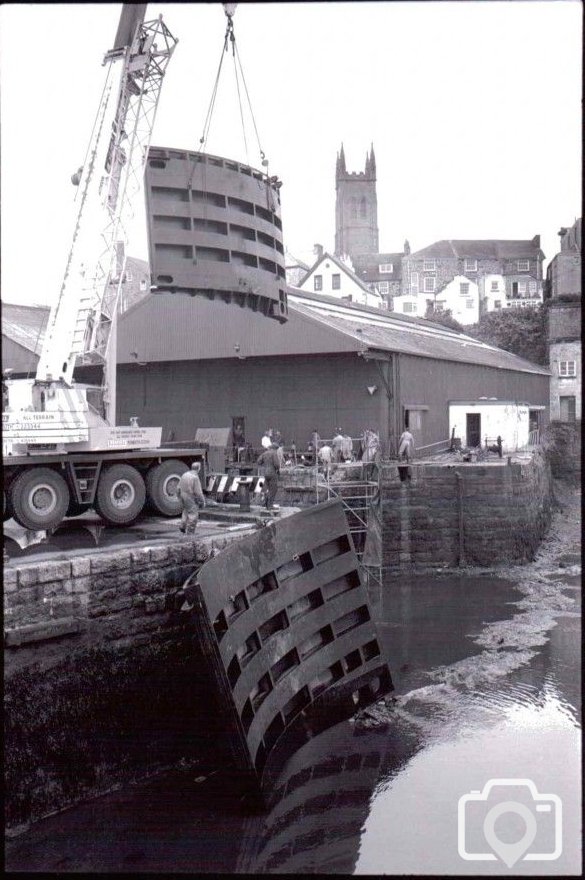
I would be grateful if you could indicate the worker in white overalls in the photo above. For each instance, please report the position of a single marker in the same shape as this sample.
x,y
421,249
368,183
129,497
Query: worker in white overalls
x,y
192,498
406,445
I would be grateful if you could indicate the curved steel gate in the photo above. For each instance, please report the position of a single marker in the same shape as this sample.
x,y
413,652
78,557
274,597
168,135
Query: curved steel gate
x,y
285,618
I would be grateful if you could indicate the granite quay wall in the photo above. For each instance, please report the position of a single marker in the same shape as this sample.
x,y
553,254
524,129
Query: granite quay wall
x,y
464,514
562,447
102,674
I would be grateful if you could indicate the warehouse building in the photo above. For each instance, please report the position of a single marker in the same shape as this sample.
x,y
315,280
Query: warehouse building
x,y
188,362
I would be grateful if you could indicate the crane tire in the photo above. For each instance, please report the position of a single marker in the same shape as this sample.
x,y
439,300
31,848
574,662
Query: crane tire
x,y
161,486
120,495
39,498
7,513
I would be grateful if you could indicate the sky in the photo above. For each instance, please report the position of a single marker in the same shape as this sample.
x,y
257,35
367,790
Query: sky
x,y
473,108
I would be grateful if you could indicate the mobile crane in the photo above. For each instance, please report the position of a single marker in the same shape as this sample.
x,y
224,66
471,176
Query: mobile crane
x,y
61,453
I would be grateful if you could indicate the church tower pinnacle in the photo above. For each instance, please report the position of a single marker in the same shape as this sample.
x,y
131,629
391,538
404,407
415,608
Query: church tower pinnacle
x,y
356,208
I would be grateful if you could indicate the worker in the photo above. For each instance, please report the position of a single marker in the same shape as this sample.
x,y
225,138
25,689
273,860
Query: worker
x,y
270,462
406,445
315,441
279,447
192,498
326,457
266,438
337,445
346,448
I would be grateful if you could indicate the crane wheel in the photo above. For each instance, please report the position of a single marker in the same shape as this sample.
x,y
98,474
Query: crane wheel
x,y
161,486
120,495
7,512
39,498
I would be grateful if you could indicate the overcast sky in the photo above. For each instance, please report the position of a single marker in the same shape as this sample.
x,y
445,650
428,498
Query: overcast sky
x,y
474,110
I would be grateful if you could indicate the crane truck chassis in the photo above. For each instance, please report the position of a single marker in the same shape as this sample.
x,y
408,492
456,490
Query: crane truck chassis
x,y
41,489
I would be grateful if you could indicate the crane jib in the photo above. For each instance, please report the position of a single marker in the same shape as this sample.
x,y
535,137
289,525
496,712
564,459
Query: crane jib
x,y
131,17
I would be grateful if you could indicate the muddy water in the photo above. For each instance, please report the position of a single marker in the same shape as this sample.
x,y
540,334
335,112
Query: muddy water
x,y
487,687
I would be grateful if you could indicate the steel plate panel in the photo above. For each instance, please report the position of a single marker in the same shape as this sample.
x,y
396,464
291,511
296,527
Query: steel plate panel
x,y
285,620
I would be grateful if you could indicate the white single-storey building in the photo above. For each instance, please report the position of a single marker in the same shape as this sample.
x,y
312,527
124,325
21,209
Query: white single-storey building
x,y
475,421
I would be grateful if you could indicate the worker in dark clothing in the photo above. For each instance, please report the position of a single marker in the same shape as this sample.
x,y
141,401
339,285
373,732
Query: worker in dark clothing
x,y
270,461
192,498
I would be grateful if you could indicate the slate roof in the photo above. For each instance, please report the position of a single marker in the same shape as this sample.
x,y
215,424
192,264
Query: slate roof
x,y
25,325
477,249
367,266
340,265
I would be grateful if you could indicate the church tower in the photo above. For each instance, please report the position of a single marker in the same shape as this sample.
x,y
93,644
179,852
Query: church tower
x,y
356,208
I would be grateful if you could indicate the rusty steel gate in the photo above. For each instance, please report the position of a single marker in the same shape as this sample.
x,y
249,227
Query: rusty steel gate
x,y
285,621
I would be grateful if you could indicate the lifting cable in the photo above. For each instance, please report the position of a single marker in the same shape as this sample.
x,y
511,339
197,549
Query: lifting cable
x,y
231,38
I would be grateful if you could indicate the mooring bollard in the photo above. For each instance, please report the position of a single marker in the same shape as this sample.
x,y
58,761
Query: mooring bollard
x,y
244,494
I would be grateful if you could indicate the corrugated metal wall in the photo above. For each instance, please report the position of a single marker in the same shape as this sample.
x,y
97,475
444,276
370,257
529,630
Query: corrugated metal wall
x,y
296,394
433,383
292,395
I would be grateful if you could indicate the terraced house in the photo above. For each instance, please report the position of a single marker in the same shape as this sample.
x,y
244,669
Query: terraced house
x,y
506,274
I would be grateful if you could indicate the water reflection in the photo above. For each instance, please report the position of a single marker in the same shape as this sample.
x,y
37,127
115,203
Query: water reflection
x,y
482,692
521,731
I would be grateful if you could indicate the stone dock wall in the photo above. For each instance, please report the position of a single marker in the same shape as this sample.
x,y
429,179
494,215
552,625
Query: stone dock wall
x,y
103,671
471,514
102,674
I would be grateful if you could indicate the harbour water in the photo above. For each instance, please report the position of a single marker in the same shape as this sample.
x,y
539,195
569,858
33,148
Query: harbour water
x,y
487,687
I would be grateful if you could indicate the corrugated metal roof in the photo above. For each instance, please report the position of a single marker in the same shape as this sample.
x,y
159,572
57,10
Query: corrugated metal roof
x,y
495,249
168,327
200,329
25,325
389,332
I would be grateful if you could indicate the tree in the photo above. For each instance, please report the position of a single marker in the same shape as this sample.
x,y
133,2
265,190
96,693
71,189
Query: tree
x,y
443,317
521,331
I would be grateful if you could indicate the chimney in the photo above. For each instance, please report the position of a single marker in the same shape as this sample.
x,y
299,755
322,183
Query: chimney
x,y
536,241
318,250
406,247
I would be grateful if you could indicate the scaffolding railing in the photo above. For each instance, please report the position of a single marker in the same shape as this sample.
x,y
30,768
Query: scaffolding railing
x,y
357,485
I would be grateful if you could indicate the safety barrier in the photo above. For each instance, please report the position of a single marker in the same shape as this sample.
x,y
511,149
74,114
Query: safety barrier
x,y
219,486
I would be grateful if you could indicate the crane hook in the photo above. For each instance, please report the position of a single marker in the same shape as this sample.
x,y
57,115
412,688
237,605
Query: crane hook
x,y
229,9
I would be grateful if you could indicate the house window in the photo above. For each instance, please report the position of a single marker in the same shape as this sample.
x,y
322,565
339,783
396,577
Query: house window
x,y
143,284
523,265
336,282
383,287
414,282
471,265
318,282
386,268
495,286
497,304
568,411
567,368
429,283
429,266
409,307
532,287
519,288
464,289
469,303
